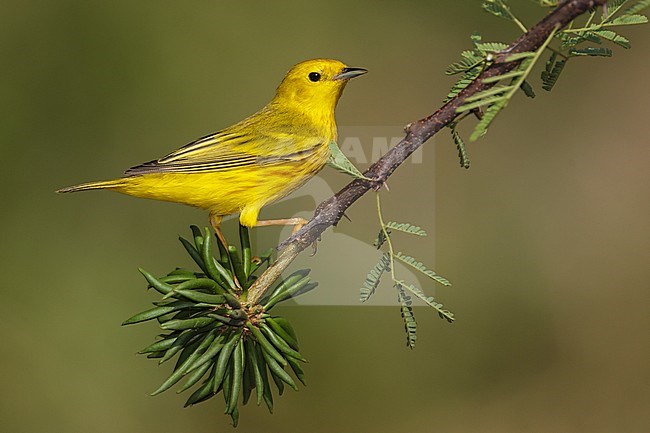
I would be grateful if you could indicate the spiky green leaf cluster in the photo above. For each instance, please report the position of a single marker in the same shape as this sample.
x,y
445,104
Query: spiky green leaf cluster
x,y
221,343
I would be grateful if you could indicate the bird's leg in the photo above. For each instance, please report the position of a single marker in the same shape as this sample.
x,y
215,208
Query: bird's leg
x,y
297,224
215,222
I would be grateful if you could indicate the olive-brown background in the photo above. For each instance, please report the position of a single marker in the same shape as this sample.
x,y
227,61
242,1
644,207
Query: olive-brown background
x,y
546,237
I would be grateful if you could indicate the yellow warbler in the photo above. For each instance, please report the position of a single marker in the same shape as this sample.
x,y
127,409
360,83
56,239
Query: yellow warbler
x,y
254,162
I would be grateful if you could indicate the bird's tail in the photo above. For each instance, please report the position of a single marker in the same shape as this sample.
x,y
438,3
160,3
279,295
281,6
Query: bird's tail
x,y
102,184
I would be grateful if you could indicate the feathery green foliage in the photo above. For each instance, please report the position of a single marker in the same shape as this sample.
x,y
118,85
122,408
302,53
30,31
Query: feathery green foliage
x,y
444,314
460,146
410,325
577,40
470,66
387,264
406,228
223,342
638,7
501,9
420,267
497,98
591,51
552,71
593,31
528,89
374,277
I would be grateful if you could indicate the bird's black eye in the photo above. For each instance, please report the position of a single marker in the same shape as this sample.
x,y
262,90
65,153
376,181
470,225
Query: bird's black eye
x,y
314,76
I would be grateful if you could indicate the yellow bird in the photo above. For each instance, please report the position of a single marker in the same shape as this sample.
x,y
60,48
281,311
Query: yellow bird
x,y
254,162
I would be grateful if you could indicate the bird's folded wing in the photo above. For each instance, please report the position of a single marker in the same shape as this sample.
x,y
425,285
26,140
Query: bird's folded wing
x,y
227,150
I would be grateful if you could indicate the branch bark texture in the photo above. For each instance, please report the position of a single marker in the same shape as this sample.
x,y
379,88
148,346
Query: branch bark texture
x,y
329,212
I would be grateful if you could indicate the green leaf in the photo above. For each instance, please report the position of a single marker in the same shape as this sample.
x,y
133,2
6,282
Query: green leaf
x,y
462,83
460,146
182,324
288,282
612,7
627,20
570,41
638,7
552,72
471,64
501,9
591,51
499,102
420,267
203,393
341,162
193,252
157,312
186,359
613,37
282,332
406,228
444,314
497,8
410,325
489,115
491,47
287,291
469,60
527,89
374,277
590,37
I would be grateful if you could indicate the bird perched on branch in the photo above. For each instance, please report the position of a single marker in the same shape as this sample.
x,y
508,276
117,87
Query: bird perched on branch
x,y
254,162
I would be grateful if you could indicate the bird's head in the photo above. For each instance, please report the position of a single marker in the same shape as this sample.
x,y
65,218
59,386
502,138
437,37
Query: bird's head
x,y
316,85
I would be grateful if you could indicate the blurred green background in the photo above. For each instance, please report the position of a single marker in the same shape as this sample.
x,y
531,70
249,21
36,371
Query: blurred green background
x,y
546,238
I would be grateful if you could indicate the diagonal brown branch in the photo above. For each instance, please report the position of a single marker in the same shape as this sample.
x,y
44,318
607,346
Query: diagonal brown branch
x,y
329,212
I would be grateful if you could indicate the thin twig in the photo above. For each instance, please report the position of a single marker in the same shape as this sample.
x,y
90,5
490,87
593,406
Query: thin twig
x,y
386,236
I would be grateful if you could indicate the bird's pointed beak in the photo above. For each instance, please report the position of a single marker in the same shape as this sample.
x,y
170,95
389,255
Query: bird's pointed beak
x,y
348,73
